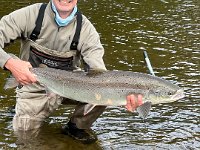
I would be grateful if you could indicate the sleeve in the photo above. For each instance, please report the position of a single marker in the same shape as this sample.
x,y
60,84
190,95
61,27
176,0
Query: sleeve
x,y
91,49
12,26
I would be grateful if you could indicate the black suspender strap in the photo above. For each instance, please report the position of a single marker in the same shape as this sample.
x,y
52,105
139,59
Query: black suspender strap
x,y
36,31
75,40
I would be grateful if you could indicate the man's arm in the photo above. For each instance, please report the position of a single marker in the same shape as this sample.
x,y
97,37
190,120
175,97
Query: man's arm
x,y
90,46
12,26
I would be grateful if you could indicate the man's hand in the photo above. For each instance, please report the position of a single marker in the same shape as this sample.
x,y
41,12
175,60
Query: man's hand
x,y
20,70
133,102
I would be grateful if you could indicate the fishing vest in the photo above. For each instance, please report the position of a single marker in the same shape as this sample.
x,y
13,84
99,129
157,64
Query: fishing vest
x,y
38,56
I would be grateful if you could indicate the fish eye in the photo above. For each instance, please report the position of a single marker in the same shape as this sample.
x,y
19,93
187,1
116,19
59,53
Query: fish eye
x,y
169,93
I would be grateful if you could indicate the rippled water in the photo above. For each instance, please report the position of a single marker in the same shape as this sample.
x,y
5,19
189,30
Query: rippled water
x,y
169,30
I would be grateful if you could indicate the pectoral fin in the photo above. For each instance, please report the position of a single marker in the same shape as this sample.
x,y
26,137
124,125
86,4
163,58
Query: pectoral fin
x,y
144,109
49,92
88,108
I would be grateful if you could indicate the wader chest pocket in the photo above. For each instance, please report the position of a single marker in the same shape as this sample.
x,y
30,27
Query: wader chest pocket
x,y
37,57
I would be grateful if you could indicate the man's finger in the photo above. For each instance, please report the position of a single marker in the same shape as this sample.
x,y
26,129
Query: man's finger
x,y
128,103
24,83
29,65
133,100
140,101
31,77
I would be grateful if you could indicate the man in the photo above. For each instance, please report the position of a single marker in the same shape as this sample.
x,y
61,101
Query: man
x,y
53,47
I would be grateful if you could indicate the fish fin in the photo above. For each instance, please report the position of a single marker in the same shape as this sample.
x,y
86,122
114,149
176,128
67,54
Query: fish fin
x,y
11,82
88,108
49,92
144,109
94,72
43,66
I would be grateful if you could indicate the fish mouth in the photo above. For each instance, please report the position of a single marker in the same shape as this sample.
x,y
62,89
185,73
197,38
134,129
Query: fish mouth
x,y
178,95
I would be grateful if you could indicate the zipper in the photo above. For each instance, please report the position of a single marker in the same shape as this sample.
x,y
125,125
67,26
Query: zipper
x,y
56,37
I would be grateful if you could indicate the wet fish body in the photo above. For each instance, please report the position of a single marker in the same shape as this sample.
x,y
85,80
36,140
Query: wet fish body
x,y
105,88
109,87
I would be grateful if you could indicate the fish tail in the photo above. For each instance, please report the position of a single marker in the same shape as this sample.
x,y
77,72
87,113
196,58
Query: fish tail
x,y
11,82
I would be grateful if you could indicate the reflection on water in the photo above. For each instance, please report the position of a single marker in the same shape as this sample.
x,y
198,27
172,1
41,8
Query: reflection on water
x,y
169,30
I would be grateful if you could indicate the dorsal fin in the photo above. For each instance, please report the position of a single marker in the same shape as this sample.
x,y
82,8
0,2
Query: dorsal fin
x,y
95,72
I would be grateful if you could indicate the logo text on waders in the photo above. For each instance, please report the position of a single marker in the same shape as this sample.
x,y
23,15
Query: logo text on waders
x,y
50,63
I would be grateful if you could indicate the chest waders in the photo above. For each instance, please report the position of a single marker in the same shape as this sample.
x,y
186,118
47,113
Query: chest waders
x,y
38,57
33,105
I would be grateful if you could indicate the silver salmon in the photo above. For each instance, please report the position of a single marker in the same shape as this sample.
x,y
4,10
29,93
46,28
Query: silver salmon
x,y
108,88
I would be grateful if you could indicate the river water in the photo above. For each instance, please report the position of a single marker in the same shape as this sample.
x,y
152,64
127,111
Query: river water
x,y
169,30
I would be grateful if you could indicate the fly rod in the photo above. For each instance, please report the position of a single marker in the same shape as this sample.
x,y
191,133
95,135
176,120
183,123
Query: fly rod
x,y
146,58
